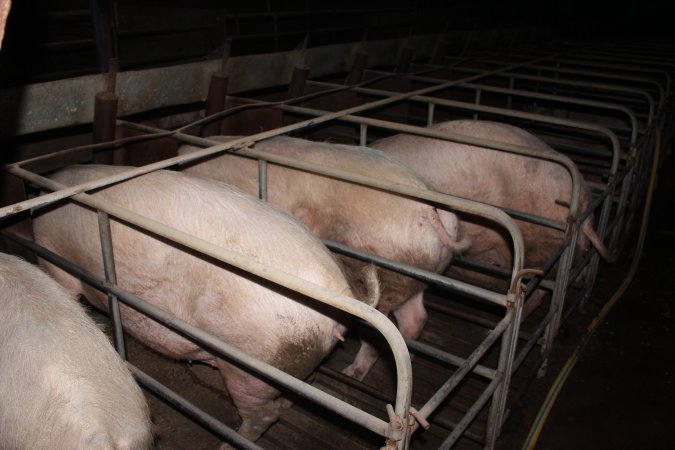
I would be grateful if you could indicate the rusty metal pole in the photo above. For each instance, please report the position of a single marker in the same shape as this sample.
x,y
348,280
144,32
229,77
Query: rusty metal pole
x,y
215,100
358,67
105,115
404,60
296,86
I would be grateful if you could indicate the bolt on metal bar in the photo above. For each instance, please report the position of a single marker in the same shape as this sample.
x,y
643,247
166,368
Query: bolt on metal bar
x,y
191,410
350,305
111,277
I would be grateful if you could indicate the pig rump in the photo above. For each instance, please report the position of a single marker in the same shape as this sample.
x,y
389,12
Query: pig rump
x,y
521,183
369,219
257,319
62,386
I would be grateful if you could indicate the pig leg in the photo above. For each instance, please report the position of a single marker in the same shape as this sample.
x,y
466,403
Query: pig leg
x,y
364,361
411,317
254,399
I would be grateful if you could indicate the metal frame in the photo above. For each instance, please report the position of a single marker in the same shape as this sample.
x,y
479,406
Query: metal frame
x,y
401,418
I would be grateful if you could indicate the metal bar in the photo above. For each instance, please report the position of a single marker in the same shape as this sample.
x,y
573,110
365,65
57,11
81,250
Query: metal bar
x,y
535,153
610,76
518,114
471,414
466,367
262,180
565,82
424,275
448,358
352,306
111,278
188,408
454,203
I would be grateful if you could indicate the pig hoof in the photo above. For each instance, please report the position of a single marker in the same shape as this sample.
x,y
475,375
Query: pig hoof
x,y
283,403
354,371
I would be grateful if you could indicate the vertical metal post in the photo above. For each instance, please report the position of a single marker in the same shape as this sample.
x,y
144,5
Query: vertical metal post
x,y
262,180
105,116
363,135
558,296
357,69
215,100
431,108
509,99
479,92
296,86
111,277
403,65
506,357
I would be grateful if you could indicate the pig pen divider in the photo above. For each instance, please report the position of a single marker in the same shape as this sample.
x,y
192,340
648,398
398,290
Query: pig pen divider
x,y
508,319
438,198
354,307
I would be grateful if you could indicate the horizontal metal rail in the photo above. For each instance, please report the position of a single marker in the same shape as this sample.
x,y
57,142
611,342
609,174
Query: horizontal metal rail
x,y
455,137
434,402
350,305
191,410
602,75
541,118
549,97
587,86
454,203
471,414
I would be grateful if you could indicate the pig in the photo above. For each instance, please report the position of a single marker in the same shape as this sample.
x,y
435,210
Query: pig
x,y
502,179
371,220
62,385
274,325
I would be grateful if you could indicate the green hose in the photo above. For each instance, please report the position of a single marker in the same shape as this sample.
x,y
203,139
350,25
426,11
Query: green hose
x,y
559,382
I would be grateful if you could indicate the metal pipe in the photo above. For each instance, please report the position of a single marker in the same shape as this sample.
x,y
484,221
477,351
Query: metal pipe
x,y
111,278
188,408
471,415
424,275
466,367
454,203
352,306
448,358
215,101
223,349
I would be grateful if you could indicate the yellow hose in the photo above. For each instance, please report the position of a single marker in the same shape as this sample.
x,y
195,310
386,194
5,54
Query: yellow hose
x,y
559,382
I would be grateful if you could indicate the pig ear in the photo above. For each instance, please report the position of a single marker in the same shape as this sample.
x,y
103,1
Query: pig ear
x,y
372,283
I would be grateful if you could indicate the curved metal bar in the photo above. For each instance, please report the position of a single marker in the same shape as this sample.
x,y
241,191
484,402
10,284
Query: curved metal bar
x,y
342,302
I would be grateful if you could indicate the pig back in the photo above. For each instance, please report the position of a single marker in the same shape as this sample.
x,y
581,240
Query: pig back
x,y
61,383
502,179
375,221
260,319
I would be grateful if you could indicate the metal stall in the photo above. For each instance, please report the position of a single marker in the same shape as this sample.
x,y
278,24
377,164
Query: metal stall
x,y
474,353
